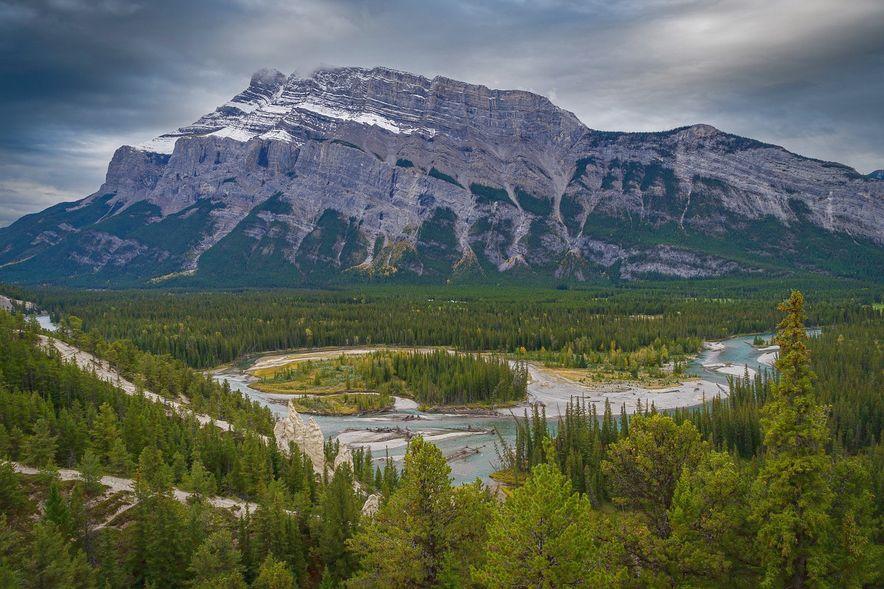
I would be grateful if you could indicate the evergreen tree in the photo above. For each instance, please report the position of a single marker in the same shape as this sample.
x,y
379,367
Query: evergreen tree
x,y
105,432
56,511
275,531
10,555
857,554
199,481
119,462
416,539
12,499
90,469
273,574
712,541
542,536
644,468
160,549
153,475
338,515
40,447
217,562
792,494
52,563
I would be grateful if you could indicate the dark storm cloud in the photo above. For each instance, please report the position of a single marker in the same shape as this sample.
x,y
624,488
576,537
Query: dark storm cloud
x,y
79,78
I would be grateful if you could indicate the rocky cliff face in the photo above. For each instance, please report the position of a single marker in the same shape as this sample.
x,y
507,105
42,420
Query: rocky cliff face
x,y
378,173
308,439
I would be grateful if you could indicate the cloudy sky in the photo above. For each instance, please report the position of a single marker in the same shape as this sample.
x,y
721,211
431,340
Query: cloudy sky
x,y
78,78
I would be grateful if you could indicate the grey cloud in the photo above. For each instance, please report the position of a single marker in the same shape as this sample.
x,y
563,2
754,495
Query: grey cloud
x,y
79,77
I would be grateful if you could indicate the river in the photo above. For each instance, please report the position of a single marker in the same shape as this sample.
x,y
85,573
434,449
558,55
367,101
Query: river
x,y
455,433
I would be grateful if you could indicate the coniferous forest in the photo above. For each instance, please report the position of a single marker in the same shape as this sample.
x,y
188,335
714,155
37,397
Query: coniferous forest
x,y
779,484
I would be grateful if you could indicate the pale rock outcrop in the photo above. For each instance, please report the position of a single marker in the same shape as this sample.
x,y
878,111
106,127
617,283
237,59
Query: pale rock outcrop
x,y
345,456
371,505
308,438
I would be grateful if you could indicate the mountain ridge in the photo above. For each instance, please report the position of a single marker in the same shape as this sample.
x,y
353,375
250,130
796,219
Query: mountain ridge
x,y
376,172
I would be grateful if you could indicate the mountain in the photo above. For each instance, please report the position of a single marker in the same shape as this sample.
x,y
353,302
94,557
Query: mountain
x,y
876,175
353,173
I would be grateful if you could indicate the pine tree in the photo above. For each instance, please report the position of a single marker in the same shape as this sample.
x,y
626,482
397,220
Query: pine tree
x,y
152,476
90,469
274,574
160,546
57,511
217,562
51,562
105,432
276,532
199,481
419,537
712,541
10,554
339,511
643,469
12,499
792,494
40,447
542,536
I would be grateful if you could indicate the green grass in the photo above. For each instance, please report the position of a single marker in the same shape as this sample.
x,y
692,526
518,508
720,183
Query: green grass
x,y
344,404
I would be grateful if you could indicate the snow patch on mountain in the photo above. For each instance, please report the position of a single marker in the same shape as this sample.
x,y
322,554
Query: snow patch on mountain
x,y
363,118
164,144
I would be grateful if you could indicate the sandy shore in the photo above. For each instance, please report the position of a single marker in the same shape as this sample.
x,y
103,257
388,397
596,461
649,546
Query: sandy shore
x,y
551,390
387,439
770,355
731,369
275,360
554,392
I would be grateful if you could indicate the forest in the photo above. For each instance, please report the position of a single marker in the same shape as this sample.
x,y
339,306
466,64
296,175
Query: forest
x,y
430,377
777,485
205,329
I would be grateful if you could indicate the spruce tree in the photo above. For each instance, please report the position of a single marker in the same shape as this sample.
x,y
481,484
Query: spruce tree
x,y
792,494
276,532
40,447
51,561
217,562
90,470
712,541
339,511
56,510
12,498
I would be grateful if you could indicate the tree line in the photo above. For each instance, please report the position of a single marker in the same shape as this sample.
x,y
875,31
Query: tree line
x,y
207,329
443,378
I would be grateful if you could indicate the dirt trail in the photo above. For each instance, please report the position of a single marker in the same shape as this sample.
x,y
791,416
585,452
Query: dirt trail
x,y
121,485
108,373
